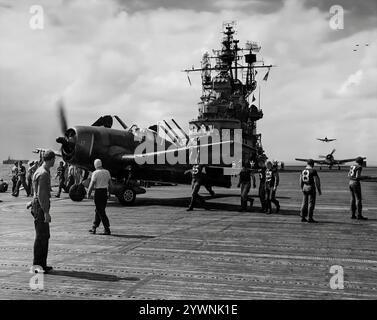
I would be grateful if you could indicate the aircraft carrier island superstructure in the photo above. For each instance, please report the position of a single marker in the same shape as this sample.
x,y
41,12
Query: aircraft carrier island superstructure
x,y
228,82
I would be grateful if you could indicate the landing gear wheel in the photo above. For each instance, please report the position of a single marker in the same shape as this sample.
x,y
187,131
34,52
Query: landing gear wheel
x,y
77,192
126,196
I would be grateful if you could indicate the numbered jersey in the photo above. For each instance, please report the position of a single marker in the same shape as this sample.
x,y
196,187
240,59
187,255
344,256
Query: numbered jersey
x,y
270,178
355,172
307,176
197,172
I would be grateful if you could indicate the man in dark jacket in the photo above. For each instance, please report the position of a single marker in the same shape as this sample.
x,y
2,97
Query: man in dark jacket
x,y
246,176
309,181
197,173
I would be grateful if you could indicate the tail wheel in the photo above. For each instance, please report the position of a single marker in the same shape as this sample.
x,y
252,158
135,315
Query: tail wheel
x,y
127,196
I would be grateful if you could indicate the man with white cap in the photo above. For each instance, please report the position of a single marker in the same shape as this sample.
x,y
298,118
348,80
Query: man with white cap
x,y
101,182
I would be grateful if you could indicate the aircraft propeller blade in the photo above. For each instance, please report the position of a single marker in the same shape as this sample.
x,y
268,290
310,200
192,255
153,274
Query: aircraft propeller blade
x,y
332,152
62,117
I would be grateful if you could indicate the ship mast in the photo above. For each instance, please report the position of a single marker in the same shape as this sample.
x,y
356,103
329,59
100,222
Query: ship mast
x,y
228,78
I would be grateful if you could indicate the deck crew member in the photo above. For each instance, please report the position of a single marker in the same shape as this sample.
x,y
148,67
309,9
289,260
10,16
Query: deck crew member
x,y
41,210
355,188
71,177
60,174
245,183
33,166
209,189
78,174
262,184
14,176
309,181
206,184
21,179
197,173
272,182
3,186
101,182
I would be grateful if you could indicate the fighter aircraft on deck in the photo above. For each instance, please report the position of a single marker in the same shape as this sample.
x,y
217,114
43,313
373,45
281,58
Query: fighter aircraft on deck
x,y
329,160
120,153
325,139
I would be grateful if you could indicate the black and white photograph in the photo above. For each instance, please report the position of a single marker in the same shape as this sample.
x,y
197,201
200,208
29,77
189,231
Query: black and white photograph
x,y
200,152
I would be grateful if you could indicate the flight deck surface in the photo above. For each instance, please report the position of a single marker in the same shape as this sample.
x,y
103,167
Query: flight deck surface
x,y
157,250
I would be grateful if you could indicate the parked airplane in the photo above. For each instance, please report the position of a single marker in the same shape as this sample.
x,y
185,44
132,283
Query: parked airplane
x,y
329,160
118,150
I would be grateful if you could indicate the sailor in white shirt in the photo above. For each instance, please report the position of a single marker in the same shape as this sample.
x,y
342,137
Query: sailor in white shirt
x,y
101,182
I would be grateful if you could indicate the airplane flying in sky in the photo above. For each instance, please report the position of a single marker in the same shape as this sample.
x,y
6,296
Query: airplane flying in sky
x,y
325,139
329,160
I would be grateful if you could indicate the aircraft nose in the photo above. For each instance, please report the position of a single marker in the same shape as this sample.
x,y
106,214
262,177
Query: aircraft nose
x,y
62,140
68,142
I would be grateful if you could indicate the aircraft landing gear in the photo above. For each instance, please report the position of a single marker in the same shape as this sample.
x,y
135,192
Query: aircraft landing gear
x,y
126,192
126,196
77,192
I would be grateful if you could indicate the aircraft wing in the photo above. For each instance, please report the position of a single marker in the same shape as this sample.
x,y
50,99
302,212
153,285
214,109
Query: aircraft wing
x,y
170,150
326,140
42,150
345,160
315,161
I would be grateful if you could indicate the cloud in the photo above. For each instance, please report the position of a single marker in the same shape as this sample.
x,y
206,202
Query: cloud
x,y
358,15
361,83
252,6
352,81
114,57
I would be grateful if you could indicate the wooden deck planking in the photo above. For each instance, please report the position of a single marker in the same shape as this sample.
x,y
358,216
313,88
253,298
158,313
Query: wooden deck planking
x,y
158,250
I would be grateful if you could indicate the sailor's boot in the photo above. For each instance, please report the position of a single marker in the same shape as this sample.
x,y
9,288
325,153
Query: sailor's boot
x,y
251,203
107,232
243,206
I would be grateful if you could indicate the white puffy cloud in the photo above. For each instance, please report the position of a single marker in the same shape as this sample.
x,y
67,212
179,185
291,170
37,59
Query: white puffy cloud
x,y
353,81
105,59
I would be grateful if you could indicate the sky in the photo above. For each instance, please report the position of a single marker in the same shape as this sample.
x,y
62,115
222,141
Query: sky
x,y
126,57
